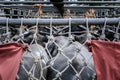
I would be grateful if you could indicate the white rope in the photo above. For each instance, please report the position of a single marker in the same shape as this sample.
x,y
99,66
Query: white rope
x,y
21,26
49,54
116,32
36,29
37,24
20,32
7,31
41,60
103,30
70,36
88,32
51,29
37,59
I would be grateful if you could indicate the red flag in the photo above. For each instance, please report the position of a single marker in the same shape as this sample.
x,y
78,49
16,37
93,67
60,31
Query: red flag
x,y
106,57
10,56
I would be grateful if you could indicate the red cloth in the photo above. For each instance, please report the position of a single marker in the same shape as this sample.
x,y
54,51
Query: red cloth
x,y
106,57
10,56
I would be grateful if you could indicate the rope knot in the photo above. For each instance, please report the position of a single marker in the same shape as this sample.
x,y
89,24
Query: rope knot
x,y
58,74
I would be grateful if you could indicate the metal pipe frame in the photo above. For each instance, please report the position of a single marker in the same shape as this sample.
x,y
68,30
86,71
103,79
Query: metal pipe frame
x,y
50,7
59,21
65,2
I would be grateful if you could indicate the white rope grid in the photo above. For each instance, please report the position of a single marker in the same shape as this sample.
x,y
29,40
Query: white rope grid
x,y
41,58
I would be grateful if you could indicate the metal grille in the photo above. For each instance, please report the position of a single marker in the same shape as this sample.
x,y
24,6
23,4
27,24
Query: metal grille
x,y
25,9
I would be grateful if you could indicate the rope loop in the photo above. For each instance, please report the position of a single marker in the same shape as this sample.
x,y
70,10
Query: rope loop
x,y
36,28
21,26
51,38
70,28
103,30
117,29
7,31
51,29
88,32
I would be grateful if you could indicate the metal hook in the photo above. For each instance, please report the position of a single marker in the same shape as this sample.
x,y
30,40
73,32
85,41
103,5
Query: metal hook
x,y
103,30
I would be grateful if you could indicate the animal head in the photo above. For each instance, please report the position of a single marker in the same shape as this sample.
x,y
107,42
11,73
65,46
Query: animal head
x,y
90,13
59,6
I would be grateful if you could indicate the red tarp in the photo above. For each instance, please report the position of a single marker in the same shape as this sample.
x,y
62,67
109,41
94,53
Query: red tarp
x,y
10,56
106,57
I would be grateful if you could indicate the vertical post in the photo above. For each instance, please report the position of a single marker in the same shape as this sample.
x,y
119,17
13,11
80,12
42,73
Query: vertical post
x,y
11,13
24,13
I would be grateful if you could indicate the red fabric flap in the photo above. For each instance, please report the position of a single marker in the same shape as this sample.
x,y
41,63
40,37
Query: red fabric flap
x,y
10,56
106,57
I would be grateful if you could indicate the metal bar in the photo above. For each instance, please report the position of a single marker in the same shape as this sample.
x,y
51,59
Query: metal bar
x,y
59,21
53,8
65,2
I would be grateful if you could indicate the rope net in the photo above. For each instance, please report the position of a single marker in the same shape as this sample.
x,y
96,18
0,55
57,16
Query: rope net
x,y
58,52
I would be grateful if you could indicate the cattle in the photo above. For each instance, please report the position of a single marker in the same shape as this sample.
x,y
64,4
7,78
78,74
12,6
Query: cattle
x,y
68,60
59,6
34,59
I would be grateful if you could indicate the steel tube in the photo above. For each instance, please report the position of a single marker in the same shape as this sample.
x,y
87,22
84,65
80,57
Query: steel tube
x,y
60,21
65,2
53,8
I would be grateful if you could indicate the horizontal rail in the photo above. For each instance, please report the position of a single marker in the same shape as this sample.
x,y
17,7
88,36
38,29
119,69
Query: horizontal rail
x,y
65,2
46,7
59,21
